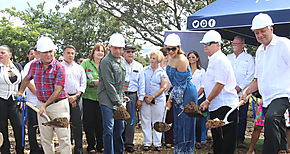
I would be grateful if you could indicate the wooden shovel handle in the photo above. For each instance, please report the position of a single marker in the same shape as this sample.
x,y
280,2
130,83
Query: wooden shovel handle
x,y
32,107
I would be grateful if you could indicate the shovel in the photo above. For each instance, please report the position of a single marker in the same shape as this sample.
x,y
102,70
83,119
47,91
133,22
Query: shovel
x,y
162,126
61,122
219,123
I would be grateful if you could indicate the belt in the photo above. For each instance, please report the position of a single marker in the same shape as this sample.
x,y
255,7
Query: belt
x,y
71,94
59,99
130,93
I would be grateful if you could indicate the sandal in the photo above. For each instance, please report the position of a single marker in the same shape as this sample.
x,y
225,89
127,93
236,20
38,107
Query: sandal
x,y
146,148
159,148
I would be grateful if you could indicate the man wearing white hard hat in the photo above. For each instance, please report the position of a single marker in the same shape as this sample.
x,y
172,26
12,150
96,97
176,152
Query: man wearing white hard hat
x,y
49,79
183,92
272,80
219,87
110,92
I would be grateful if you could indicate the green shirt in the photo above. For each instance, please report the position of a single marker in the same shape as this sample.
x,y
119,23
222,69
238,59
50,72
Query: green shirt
x,y
92,75
112,77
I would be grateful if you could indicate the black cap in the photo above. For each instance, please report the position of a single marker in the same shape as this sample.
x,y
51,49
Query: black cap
x,y
129,47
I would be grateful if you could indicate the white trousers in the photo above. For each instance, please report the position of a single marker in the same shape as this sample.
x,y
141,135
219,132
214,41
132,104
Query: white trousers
x,y
55,110
151,113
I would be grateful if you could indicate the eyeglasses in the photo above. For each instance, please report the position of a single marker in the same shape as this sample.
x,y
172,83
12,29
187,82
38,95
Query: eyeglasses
x,y
208,43
173,49
130,51
191,57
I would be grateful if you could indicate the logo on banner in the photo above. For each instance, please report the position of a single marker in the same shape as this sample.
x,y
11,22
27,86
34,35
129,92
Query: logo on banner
x,y
203,23
195,24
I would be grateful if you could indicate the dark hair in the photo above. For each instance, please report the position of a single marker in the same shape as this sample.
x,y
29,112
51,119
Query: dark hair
x,y
6,46
241,38
197,56
97,48
164,51
69,47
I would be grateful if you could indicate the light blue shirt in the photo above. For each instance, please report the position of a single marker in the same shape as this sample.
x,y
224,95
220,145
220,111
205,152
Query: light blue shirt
x,y
153,82
135,79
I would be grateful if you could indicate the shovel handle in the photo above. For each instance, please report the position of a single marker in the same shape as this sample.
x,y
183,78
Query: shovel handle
x,y
37,110
240,103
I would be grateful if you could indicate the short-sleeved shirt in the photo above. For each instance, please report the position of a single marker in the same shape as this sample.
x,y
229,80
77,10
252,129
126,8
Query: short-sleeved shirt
x,y
220,70
153,82
46,78
273,69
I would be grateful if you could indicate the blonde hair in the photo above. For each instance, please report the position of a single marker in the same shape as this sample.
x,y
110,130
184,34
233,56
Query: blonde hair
x,y
158,55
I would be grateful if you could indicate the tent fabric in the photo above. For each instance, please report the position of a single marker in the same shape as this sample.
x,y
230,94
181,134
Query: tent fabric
x,y
234,17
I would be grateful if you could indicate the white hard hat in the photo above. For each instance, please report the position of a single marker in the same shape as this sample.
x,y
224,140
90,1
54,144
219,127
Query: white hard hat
x,y
45,44
261,20
1,139
211,36
172,40
117,40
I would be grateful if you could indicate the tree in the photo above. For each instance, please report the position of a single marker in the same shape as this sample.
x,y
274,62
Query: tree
x,y
147,19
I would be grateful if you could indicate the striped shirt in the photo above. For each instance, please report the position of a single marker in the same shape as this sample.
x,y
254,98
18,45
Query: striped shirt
x,y
46,78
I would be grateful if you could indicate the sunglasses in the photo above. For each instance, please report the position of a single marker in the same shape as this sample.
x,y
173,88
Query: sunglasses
x,y
130,51
208,43
173,49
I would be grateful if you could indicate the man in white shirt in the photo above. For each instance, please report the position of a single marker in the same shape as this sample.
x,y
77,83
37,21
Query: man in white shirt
x,y
134,88
75,84
219,87
244,68
272,80
31,97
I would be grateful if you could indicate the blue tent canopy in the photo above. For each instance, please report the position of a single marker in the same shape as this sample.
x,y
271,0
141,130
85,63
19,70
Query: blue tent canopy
x,y
234,17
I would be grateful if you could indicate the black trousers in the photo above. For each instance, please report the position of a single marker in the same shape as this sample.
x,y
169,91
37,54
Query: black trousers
x,y
77,126
93,125
224,138
274,127
9,110
32,123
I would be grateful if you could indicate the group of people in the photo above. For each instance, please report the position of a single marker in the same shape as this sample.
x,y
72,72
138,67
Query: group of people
x,y
89,93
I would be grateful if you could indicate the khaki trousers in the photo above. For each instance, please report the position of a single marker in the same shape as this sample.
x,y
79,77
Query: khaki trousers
x,y
59,109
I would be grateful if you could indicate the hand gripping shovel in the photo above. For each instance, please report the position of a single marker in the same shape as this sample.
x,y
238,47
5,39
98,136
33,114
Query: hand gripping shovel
x,y
61,122
219,123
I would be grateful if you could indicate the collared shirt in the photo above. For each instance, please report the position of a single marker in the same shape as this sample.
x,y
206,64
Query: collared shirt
x,y
30,97
75,78
220,70
6,87
135,79
112,76
46,78
244,68
153,82
197,80
92,74
273,69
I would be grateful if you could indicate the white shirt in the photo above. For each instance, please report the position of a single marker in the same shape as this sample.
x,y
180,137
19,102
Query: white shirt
x,y
244,68
6,87
153,80
197,79
30,97
135,79
220,70
75,79
273,69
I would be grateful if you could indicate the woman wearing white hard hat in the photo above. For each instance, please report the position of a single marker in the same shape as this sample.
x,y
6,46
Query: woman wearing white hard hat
x,y
183,92
272,81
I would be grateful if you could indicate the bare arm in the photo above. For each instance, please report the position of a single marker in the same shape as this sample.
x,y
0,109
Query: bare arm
x,y
253,87
163,86
32,88
215,91
23,85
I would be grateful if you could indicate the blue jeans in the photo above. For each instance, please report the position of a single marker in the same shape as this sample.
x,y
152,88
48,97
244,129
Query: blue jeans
x,y
112,132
